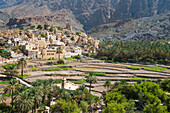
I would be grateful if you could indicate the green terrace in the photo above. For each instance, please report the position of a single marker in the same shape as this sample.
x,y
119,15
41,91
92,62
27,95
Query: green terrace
x,y
57,69
33,68
25,75
71,59
99,74
156,68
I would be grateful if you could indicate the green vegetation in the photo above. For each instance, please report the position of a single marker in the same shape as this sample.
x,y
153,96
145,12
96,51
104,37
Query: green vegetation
x,y
8,65
60,61
78,33
22,62
77,56
135,51
32,26
4,82
67,68
71,59
21,28
33,68
10,69
51,29
79,82
39,27
148,97
5,54
57,69
53,69
58,64
140,78
24,75
26,99
99,74
59,28
43,35
145,97
165,85
158,68
72,38
57,81
134,67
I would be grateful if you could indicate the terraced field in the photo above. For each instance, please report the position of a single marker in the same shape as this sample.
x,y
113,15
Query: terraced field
x,y
104,71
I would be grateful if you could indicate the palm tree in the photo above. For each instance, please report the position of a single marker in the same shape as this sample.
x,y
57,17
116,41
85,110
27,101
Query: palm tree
x,y
22,62
107,84
116,84
91,78
123,82
10,70
36,93
10,89
84,90
2,97
50,83
84,106
59,51
24,102
44,87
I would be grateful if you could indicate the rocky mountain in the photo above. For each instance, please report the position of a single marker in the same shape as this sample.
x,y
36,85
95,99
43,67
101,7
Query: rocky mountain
x,y
89,13
146,28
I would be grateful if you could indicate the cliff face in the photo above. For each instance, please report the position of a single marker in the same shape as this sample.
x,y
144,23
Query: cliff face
x,y
146,28
90,13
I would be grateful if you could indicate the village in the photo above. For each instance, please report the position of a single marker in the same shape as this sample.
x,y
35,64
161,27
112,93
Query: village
x,y
48,42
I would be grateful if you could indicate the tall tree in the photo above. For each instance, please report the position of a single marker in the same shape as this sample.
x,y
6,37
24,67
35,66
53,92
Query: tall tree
x,y
22,62
24,102
12,86
107,84
91,78
10,70
59,51
36,94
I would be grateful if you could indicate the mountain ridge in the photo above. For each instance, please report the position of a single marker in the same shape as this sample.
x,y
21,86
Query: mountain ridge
x,y
89,13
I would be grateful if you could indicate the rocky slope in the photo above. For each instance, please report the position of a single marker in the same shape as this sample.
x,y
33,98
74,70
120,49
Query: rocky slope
x,y
60,18
146,28
90,13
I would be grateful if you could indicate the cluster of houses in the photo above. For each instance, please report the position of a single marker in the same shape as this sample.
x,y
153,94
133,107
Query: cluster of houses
x,y
45,44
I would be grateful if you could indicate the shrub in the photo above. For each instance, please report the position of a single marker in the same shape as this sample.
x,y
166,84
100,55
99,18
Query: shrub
x,y
78,57
78,33
21,28
40,27
59,28
32,26
51,29
72,38
43,35
60,61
